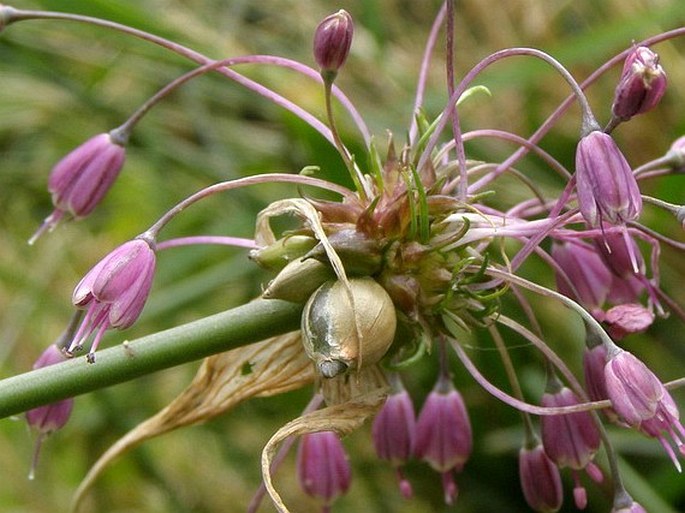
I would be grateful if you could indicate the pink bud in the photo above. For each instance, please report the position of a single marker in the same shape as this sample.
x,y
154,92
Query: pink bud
x,y
332,41
590,279
322,466
540,480
443,434
641,86
80,180
114,291
607,189
393,433
594,361
51,417
641,400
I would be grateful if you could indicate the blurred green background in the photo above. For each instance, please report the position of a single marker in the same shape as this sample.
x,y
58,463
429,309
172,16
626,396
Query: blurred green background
x,y
62,82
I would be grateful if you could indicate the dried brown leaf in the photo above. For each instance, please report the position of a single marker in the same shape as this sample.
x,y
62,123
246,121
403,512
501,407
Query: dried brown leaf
x,y
262,369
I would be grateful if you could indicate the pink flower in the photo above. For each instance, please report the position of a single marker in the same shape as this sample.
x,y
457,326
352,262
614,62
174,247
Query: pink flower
x,y
607,189
81,179
540,480
571,440
641,86
322,467
332,41
443,434
629,318
393,432
641,400
114,292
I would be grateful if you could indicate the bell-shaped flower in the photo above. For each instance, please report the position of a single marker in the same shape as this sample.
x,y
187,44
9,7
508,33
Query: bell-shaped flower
x,y
81,179
394,430
443,434
332,42
587,280
114,292
607,189
50,417
641,86
642,401
540,480
594,361
570,440
322,467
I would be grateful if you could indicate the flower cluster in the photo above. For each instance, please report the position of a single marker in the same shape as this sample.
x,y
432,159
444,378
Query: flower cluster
x,y
411,259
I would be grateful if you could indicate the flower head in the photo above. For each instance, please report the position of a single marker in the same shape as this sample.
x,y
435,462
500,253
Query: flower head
x,y
114,291
443,434
642,401
80,180
540,480
393,432
641,86
322,467
607,189
332,41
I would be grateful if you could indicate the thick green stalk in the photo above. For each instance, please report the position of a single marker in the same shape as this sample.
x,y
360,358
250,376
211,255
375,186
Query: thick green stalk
x,y
240,326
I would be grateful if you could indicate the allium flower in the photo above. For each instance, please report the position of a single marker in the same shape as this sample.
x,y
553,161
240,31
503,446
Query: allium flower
x,y
589,276
607,189
571,440
332,41
393,433
594,362
642,401
641,86
540,480
51,417
80,180
443,434
629,318
621,254
322,467
114,292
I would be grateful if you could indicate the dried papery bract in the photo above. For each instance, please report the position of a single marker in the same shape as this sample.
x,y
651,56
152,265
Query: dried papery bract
x,y
277,365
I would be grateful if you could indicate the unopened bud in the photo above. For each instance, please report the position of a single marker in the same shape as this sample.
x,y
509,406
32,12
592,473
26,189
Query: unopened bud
x,y
642,84
332,42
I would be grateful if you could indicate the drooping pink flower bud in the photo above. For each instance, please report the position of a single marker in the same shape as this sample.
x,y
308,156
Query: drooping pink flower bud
x,y
393,432
114,291
540,480
594,361
622,320
332,42
322,467
642,401
443,434
570,440
590,279
641,86
80,180
51,417
607,189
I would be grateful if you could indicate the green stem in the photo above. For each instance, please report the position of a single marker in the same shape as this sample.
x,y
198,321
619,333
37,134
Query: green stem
x,y
221,332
